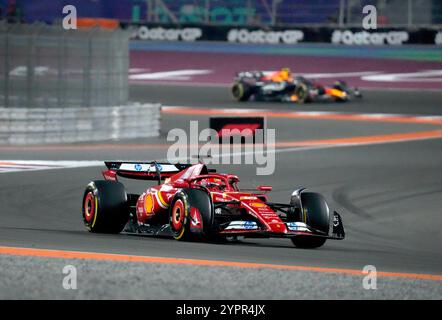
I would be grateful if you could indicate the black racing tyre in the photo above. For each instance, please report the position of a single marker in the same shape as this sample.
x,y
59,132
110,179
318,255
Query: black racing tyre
x,y
302,92
105,207
316,214
241,91
180,215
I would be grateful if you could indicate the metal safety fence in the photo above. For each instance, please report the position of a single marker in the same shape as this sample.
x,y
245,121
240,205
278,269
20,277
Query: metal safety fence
x,y
45,66
24,126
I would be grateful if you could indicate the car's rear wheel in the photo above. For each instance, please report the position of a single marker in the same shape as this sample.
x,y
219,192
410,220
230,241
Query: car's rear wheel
x,y
105,208
316,214
302,93
241,91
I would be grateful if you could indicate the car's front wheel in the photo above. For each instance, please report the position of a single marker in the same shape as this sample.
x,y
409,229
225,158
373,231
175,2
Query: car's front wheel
x,y
315,214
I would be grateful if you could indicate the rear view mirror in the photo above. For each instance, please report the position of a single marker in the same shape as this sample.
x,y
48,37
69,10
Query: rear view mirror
x,y
264,188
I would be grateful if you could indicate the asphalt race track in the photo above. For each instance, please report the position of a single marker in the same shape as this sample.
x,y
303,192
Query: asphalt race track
x,y
387,187
401,101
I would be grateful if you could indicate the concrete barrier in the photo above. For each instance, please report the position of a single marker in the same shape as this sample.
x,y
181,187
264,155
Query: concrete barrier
x,y
19,126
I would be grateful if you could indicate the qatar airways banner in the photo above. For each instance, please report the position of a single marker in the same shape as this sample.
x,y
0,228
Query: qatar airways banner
x,y
284,35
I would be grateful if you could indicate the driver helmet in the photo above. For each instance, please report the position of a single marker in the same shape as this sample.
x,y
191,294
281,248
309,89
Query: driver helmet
x,y
215,183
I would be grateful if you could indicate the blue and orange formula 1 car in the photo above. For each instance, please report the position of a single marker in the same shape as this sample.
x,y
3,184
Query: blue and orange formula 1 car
x,y
193,202
280,86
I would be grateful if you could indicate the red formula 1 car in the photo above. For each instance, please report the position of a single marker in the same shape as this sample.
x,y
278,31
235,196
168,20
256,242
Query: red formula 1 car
x,y
195,202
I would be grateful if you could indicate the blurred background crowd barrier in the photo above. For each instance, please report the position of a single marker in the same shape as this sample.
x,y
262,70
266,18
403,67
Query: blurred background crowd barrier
x,y
45,66
67,125
61,86
343,13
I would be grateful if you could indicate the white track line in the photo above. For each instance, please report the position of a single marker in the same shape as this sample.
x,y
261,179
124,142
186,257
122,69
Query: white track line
x,y
38,165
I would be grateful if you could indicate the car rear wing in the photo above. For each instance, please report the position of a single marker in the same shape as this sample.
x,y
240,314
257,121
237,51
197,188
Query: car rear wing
x,y
142,170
